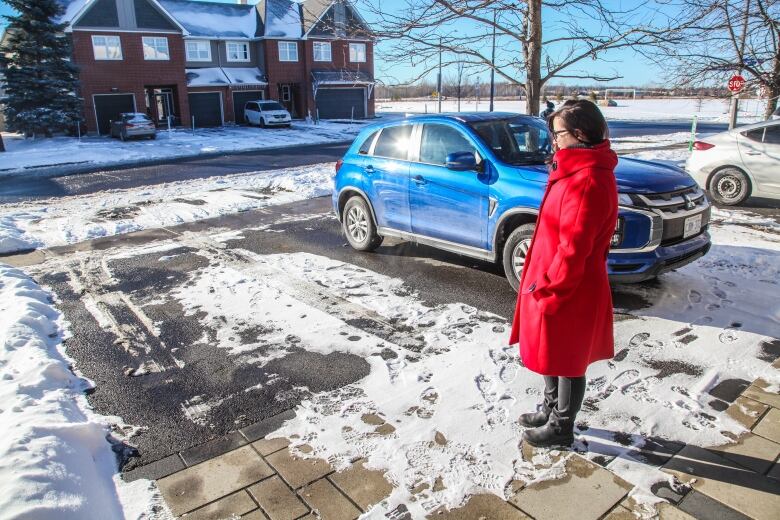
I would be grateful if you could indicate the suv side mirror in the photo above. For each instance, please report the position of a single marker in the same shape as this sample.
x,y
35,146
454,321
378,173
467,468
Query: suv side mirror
x,y
461,161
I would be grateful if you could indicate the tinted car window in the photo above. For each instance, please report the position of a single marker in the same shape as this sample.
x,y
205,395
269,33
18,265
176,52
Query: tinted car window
x,y
271,106
755,135
772,135
438,141
394,142
366,146
251,106
518,140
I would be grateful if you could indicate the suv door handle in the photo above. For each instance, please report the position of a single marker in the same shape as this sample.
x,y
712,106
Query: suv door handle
x,y
419,180
752,153
369,169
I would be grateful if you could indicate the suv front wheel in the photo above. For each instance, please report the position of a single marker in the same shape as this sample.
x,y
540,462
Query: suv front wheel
x,y
358,225
515,251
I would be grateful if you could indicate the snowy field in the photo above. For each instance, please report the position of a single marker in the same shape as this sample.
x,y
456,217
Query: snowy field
x,y
68,220
710,110
23,156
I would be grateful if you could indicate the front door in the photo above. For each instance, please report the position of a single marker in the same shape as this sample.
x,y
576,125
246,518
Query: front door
x,y
386,177
760,152
288,97
446,204
163,102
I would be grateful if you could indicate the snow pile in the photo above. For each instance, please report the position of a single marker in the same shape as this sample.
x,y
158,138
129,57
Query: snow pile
x,y
55,459
69,220
23,156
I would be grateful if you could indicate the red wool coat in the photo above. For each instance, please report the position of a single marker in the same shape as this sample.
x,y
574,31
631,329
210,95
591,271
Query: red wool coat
x,y
563,318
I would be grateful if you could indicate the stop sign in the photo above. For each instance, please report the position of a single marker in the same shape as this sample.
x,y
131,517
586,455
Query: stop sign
x,y
736,83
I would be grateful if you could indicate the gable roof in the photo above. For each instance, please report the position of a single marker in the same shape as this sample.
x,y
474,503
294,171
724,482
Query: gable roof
x,y
74,9
281,18
216,20
313,11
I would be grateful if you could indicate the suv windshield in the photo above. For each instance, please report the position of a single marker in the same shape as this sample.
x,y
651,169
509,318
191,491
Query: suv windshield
x,y
271,106
517,141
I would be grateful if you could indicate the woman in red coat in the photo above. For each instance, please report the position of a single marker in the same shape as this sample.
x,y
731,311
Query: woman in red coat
x,y
563,318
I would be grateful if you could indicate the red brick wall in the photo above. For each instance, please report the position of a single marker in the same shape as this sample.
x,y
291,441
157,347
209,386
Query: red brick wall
x,y
339,50
227,100
130,74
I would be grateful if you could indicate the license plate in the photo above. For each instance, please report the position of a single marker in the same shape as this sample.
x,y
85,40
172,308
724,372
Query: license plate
x,y
692,225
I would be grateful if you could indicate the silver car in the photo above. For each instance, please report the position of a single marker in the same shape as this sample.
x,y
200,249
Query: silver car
x,y
133,124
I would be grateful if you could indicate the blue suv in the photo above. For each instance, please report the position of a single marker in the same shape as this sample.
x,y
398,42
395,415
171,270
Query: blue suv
x,y
472,184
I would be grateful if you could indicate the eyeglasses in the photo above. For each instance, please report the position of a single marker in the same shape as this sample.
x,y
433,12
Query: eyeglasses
x,y
557,134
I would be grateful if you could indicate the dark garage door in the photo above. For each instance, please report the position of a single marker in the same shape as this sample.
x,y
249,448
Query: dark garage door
x,y
108,107
240,99
206,108
337,103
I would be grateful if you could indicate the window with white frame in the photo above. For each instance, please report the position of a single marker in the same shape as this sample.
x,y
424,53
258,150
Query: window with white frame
x,y
288,51
357,52
237,51
156,48
107,47
198,50
322,51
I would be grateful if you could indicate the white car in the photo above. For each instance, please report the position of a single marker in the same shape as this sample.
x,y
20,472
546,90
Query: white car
x,y
739,163
266,113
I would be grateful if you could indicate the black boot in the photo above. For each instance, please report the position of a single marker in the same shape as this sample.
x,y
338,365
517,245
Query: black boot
x,y
536,419
559,429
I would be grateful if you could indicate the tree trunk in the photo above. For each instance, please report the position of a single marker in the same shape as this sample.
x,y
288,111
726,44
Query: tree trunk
x,y
2,146
773,87
533,57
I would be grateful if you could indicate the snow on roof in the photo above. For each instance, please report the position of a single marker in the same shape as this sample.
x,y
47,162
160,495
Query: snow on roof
x,y
283,19
206,77
215,20
211,76
72,8
247,76
341,77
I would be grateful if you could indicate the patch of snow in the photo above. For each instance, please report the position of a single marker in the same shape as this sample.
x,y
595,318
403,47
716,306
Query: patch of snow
x,y
283,19
56,460
213,19
206,77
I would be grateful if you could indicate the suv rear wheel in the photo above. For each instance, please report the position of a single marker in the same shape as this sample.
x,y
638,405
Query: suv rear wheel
x,y
515,251
730,186
358,225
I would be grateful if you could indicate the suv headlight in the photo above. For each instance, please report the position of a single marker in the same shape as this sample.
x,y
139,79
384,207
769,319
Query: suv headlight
x,y
624,199
617,236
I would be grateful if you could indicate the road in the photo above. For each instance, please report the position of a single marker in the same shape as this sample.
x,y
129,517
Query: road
x,y
15,189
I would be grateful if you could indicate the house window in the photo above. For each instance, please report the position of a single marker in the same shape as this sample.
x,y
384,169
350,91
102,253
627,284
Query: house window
x,y
107,47
286,93
237,51
156,48
288,51
357,52
322,51
198,50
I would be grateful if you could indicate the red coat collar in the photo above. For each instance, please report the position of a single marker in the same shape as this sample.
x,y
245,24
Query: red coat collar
x,y
571,160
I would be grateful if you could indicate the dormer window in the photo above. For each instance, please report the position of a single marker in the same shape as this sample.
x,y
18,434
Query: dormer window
x,y
237,51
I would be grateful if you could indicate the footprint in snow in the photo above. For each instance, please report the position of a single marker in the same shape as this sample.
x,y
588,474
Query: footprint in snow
x,y
729,335
638,339
719,293
694,296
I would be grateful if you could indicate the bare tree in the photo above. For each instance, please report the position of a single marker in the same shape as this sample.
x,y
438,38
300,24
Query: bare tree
x,y
722,37
418,30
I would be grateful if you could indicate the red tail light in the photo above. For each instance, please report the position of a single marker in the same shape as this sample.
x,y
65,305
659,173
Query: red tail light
x,y
701,145
128,125
338,164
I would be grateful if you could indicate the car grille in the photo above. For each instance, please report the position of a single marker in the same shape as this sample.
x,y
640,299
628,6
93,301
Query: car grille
x,y
674,208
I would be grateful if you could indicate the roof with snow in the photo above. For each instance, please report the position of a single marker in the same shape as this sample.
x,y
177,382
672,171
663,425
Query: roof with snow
x,y
213,76
346,77
282,18
215,20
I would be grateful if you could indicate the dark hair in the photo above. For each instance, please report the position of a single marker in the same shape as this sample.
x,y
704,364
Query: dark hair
x,y
582,115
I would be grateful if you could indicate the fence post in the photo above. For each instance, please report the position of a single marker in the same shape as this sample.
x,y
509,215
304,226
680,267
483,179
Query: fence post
x,y
352,120
78,129
193,125
693,134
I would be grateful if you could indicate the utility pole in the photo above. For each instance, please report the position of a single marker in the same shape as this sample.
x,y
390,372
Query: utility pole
x,y
438,88
493,63
734,108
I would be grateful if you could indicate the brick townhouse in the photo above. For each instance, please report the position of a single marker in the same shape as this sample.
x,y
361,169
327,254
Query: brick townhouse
x,y
186,60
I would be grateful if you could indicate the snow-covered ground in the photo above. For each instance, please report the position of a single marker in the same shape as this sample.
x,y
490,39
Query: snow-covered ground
x,y
711,110
25,155
56,456
67,220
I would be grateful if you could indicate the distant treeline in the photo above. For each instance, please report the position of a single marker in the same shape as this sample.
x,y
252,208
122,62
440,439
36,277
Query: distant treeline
x,y
471,89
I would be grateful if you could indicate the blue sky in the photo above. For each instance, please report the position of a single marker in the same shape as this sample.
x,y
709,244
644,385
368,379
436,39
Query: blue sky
x,y
635,69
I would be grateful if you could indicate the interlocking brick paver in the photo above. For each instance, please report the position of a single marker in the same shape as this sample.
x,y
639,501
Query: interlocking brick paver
x,y
233,505
620,513
198,485
254,515
746,411
752,451
328,502
749,493
269,446
277,500
759,391
774,472
554,499
487,507
769,425
213,448
297,471
365,487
